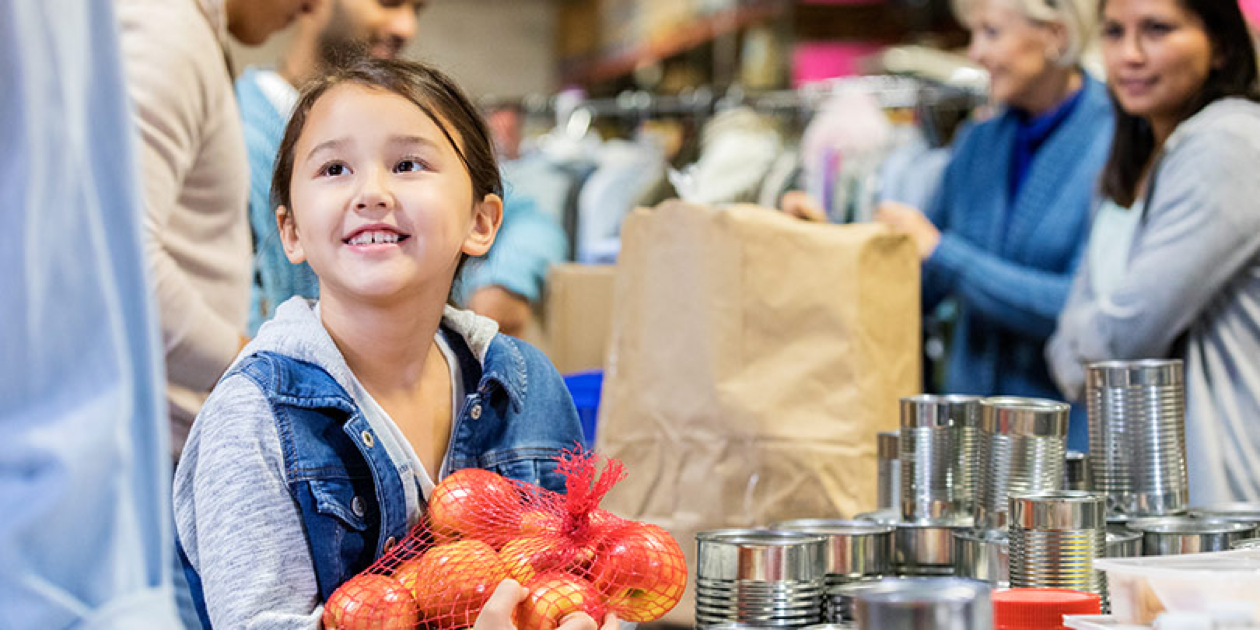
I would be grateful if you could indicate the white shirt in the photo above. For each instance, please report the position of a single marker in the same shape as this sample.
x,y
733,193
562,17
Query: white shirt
x,y
416,480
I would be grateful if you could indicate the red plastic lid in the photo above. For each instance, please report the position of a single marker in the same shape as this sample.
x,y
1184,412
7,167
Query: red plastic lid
x,y
1040,608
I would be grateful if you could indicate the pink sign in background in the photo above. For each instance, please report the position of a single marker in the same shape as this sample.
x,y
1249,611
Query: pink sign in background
x,y
814,61
1251,8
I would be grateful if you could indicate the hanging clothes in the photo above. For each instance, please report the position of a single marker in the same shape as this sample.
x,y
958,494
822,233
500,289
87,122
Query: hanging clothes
x,y
738,149
625,172
842,150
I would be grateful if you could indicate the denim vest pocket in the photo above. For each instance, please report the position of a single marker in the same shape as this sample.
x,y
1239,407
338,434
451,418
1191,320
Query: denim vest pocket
x,y
335,498
337,533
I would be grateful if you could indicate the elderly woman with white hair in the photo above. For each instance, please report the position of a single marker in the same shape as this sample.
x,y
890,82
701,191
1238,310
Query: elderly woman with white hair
x,y
1008,227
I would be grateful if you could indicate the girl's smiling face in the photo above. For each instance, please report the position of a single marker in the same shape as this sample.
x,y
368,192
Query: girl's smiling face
x,y
382,204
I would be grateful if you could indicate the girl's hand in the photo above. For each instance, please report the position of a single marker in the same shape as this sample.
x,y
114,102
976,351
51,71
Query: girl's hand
x,y
583,621
497,613
908,220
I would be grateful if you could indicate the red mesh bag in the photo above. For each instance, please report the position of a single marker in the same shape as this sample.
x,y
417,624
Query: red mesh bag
x,y
482,528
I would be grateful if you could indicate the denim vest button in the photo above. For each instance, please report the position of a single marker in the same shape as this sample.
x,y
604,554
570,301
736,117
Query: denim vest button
x,y
356,506
368,440
389,543
475,412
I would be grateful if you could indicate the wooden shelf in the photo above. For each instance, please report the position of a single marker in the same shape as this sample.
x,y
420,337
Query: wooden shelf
x,y
611,65
807,21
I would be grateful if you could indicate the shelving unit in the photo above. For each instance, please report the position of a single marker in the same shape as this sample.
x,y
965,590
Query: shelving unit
x,y
710,42
607,65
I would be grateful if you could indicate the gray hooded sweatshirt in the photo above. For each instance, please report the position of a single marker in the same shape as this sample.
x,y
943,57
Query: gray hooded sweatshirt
x,y
235,516
1190,289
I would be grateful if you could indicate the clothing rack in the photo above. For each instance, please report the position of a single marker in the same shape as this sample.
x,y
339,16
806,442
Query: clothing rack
x,y
892,92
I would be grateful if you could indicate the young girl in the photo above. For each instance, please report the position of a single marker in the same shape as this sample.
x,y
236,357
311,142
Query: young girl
x,y
1173,266
315,452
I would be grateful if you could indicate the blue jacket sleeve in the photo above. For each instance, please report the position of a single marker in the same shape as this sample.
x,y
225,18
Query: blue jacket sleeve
x,y
1025,299
938,282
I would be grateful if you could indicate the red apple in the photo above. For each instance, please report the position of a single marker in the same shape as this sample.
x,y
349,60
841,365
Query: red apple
x,y
475,503
451,582
551,597
603,520
370,602
534,522
527,556
641,570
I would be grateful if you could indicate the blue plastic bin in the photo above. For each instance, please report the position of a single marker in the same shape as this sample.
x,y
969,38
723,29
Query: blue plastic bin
x,y
585,388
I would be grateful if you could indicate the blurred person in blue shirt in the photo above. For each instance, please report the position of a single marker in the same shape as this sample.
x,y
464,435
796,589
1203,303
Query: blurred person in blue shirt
x,y
85,468
509,280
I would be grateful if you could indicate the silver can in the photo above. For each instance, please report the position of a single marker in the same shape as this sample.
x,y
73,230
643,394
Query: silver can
x,y
983,555
759,577
1022,447
855,549
923,549
1191,535
936,440
1055,539
1239,512
888,480
839,604
1123,542
1137,442
883,517
1076,471
925,604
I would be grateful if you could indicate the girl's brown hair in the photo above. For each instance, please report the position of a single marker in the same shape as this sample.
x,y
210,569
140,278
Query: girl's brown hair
x,y
429,89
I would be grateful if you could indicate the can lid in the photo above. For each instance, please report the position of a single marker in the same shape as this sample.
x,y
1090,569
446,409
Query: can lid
x,y
1040,608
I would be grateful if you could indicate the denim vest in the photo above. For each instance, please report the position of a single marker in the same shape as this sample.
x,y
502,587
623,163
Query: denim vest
x,y
516,417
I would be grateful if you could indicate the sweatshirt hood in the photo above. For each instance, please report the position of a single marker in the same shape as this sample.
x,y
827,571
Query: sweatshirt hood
x,y
296,331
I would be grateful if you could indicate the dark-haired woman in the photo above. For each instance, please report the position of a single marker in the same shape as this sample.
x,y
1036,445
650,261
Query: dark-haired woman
x,y
1173,266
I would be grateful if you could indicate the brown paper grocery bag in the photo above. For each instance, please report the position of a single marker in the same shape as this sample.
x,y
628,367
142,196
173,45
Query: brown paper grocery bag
x,y
753,359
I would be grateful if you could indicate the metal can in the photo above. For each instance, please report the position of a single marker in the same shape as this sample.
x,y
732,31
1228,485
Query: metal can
x,y
855,549
759,577
888,480
1022,446
925,604
1191,535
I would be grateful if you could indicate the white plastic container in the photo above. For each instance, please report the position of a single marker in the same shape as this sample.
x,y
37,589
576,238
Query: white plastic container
x,y
1141,588
1098,622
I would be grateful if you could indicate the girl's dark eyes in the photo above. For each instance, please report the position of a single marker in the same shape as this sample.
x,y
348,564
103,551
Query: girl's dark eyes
x,y
409,165
406,165
333,169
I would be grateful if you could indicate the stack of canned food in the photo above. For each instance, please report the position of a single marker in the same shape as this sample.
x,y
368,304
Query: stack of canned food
x,y
978,492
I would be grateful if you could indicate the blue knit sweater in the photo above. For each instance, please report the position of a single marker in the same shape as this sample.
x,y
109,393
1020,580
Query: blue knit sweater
x,y
1008,261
